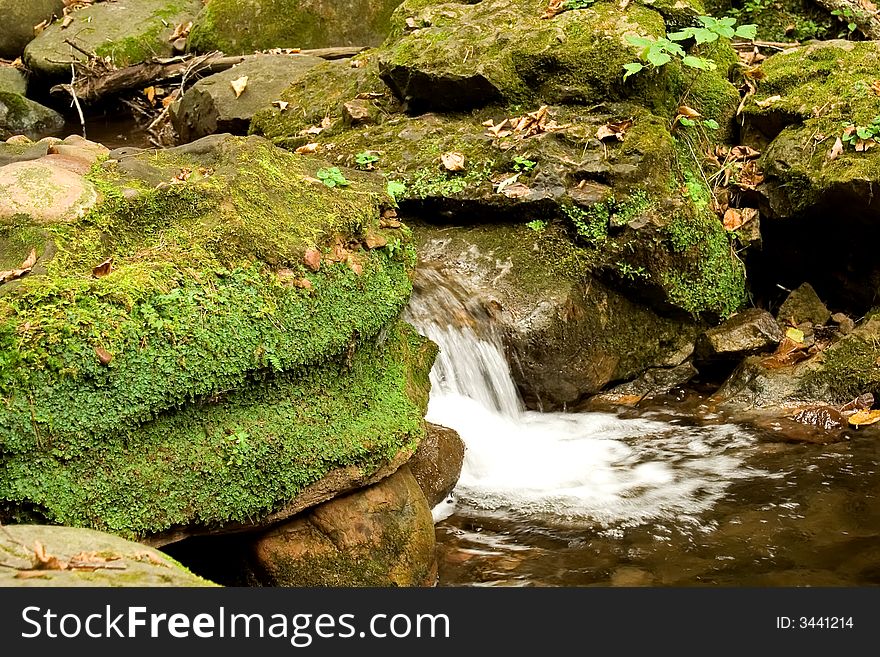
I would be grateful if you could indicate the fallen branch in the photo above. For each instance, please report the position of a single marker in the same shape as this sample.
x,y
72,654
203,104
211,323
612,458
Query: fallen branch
x,y
94,81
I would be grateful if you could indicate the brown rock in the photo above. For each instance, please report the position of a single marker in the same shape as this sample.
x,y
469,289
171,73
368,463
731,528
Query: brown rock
x,y
803,305
751,331
436,465
44,192
357,112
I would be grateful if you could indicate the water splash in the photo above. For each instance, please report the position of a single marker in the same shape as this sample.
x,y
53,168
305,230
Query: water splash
x,y
591,468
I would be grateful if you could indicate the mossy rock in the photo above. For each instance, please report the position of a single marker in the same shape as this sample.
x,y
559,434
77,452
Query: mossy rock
x,y
237,27
127,32
462,56
208,288
781,20
23,116
18,20
238,458
12,80
118,562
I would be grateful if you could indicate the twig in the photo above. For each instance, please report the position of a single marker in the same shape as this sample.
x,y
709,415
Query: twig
x,y
72,90
73,45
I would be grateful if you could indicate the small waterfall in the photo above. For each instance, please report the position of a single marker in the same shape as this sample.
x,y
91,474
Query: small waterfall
x,y
570,467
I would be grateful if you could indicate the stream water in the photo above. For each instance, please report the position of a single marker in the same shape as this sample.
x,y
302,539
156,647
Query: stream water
x,y
658,497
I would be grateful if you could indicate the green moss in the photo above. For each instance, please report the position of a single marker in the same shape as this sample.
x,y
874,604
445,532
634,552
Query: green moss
x,y
193,306
191,466
848,369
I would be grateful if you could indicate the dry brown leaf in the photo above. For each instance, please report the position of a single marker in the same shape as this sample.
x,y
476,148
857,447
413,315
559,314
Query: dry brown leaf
x,y
875,87
45,561
146,555
181,31
239,85
103,269
836,150
312,259
280,104
863,145
864,418
787,353
767,102
553,9
742,153
516,190
307,149
103,355
616,130
30,261
689,112
453,161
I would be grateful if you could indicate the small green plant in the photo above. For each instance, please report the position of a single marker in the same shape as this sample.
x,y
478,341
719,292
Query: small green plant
x,y
577,4
366,160
709,124
332,177
854,134
239,447
537,225
631,272
847,16
395,189
658,52
523,165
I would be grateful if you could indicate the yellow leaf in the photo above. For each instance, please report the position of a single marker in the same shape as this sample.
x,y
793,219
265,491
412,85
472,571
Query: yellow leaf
x,y
864,418
795,334
239,85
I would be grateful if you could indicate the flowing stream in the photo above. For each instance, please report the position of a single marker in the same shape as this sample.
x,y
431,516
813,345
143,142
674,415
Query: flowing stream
x,y
658,497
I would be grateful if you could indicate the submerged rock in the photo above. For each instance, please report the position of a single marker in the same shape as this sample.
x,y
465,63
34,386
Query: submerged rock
x,y
236,27
171,364
380,536
18,18
23,116
85,557
211,105
126,31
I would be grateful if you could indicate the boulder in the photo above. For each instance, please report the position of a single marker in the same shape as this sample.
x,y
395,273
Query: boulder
x,y
171,364
211,105
654,382
748,332
126,31
818,89
85,557
237,27
12,80
803,305
44,192
379,536
23,116
436,465
19,18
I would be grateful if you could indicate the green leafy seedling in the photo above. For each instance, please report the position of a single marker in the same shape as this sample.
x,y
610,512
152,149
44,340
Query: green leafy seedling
x,y
332,177
366,160
523,164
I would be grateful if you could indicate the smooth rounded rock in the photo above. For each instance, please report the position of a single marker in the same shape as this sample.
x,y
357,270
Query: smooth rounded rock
x,y
44,192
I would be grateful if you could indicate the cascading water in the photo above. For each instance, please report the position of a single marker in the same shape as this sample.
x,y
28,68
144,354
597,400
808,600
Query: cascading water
x,y
581,468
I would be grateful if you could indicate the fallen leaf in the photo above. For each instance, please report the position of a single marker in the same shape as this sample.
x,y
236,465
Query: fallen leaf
x,y
453,161
553,9
789,352
689,112
375,241
875,87
103,355
280,104
239,85
30,261
103,269
735,218
181,31
864,145
516,190
150,93
616,130
45,561
307,149
767,102
795,334
836,150
66,22
312,259
742,153
505,182
864,418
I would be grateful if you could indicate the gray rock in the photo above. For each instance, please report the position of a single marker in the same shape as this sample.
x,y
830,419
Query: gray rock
x,y
436,465
654,382
126,31
749,332
127,563
18,18
22,116
12,80
803,305
43,191
210,105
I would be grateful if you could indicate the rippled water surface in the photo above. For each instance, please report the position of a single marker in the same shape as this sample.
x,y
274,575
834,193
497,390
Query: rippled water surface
x,y
662,497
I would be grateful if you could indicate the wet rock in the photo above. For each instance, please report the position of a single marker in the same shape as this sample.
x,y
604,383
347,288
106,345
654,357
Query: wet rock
x,y
229,26
436,465
380,536
126,31
18,18
566,337
23,116
803,305
844,324
748,332
653,383
211,106
44,193
127,563
12,80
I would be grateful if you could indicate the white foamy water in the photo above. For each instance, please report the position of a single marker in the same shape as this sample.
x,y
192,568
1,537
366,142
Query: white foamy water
x,y
571,467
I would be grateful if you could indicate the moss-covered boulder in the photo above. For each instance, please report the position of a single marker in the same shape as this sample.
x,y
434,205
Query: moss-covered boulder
x,y
126,31
18,20
23,116
12,80
810,97
379,536
211,104
455,56
72,556
237,27
218,333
